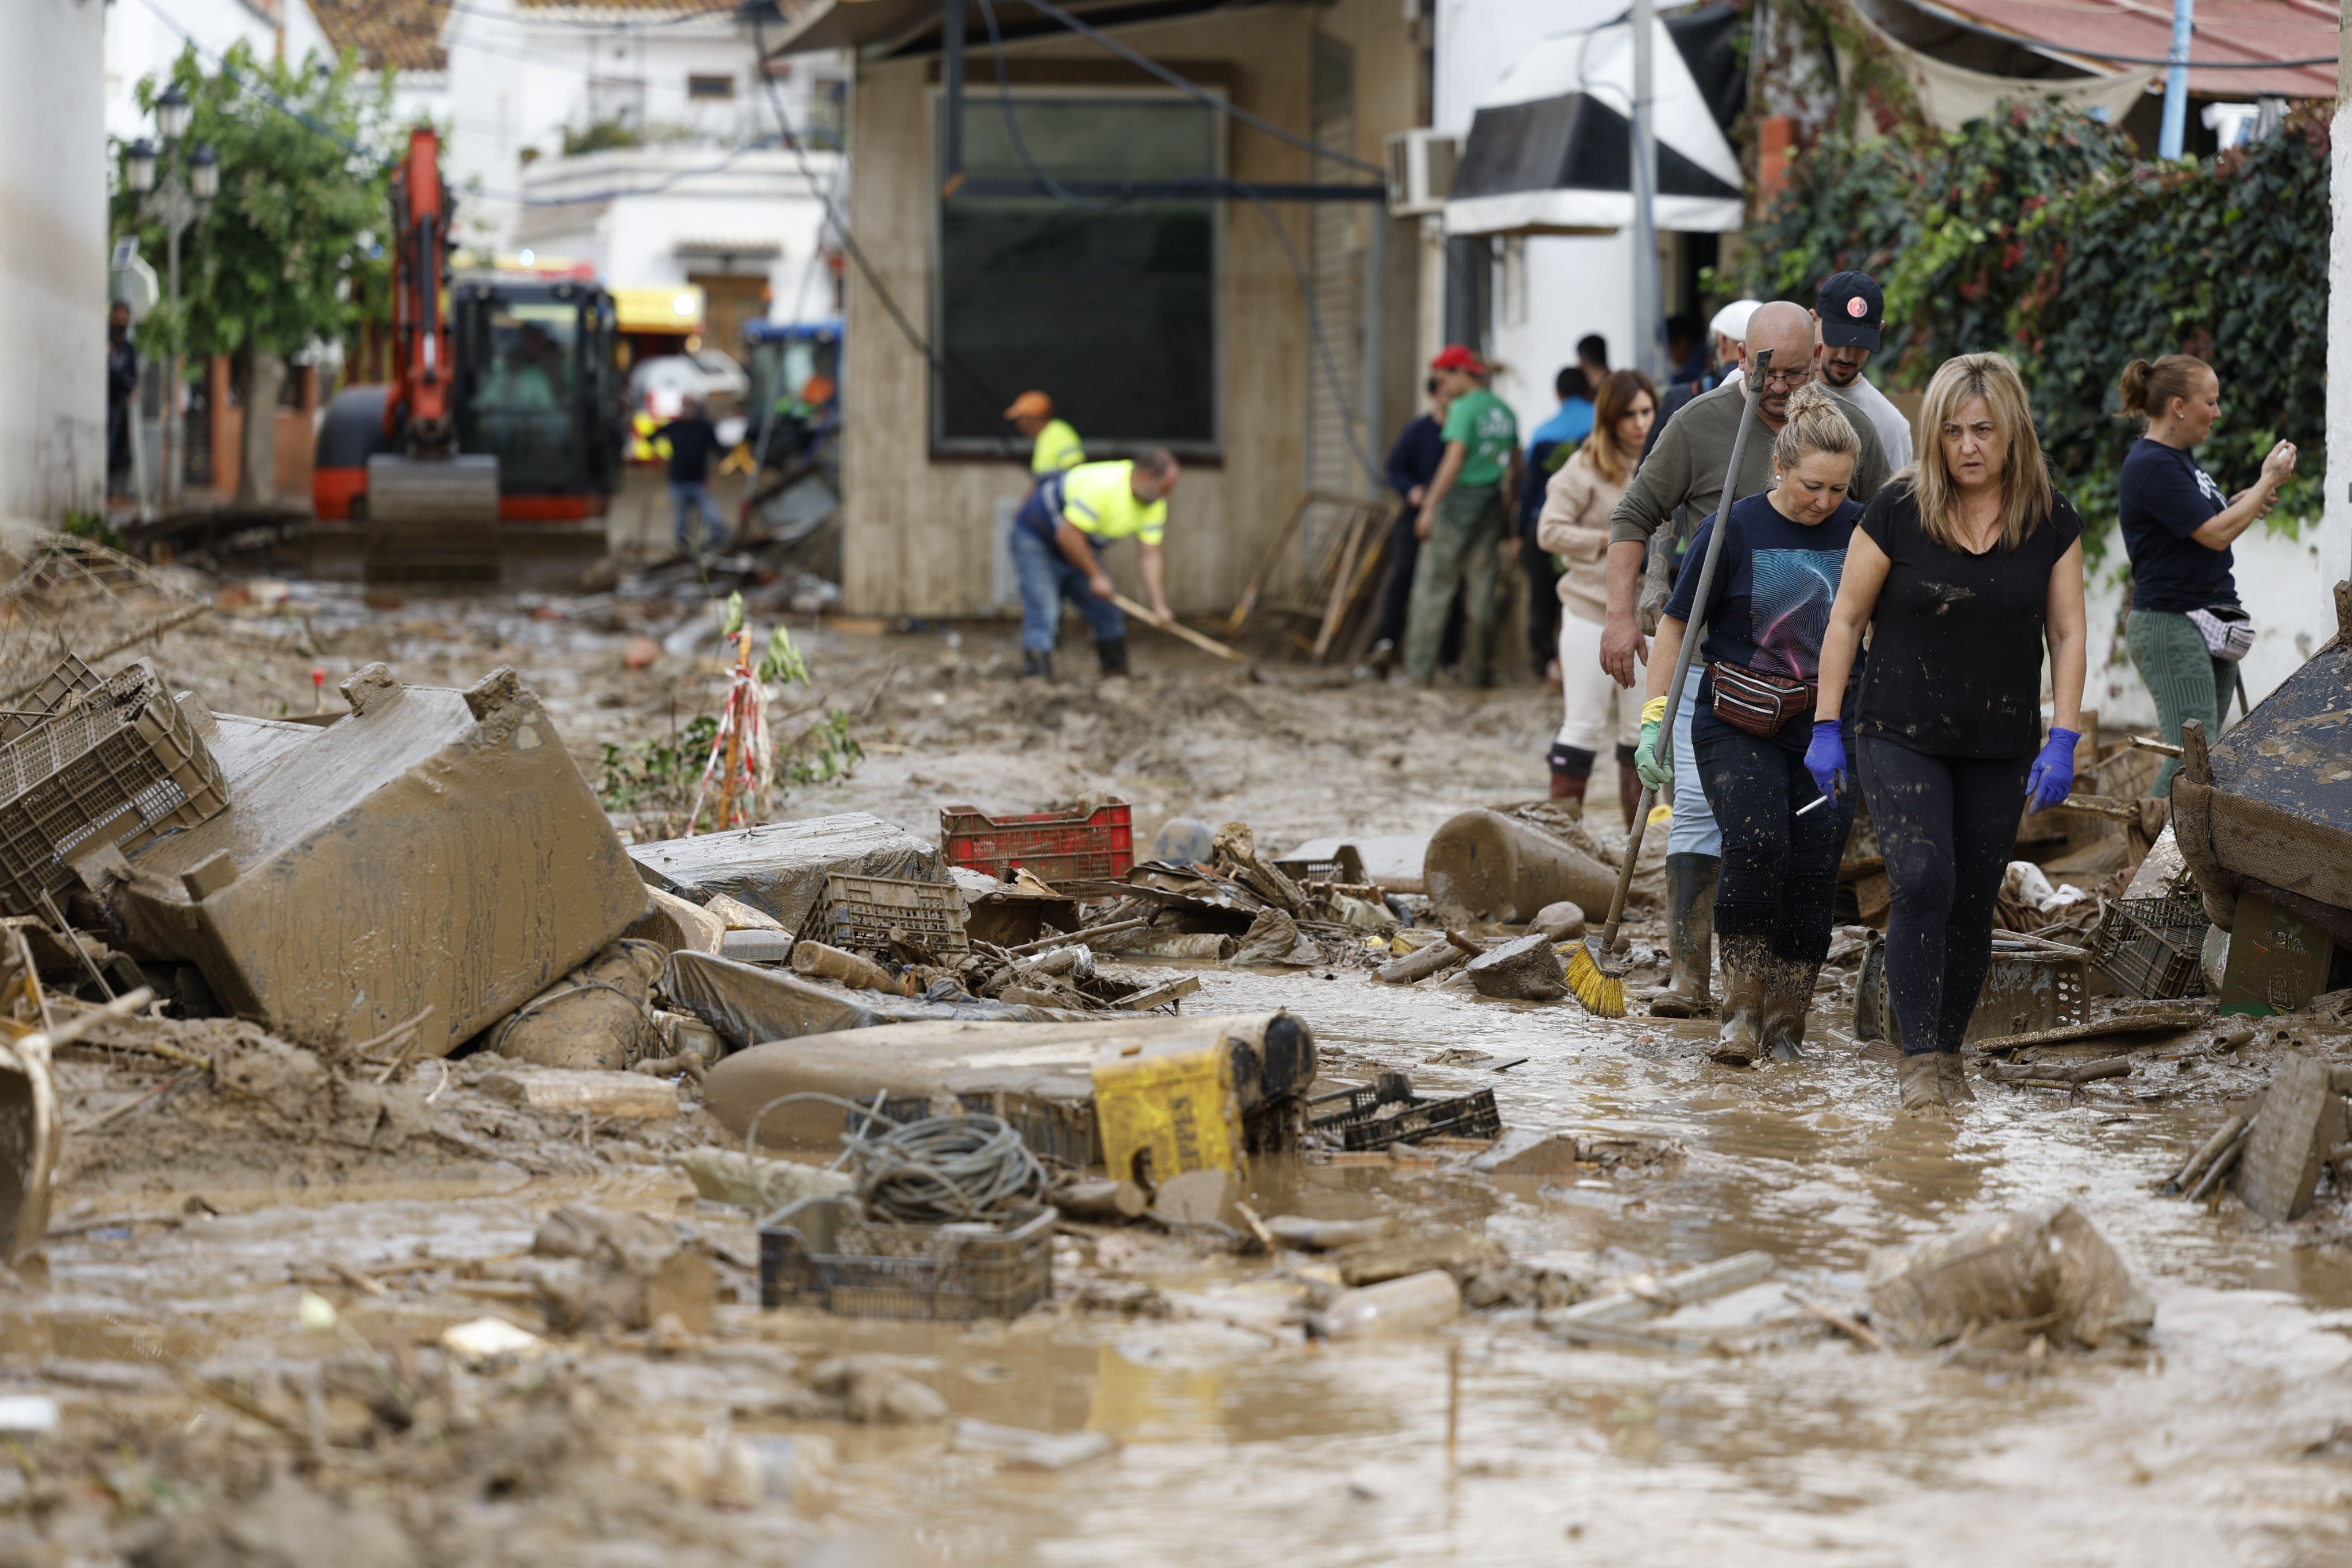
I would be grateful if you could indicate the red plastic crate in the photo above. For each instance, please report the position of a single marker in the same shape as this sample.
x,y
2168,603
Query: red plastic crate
x,y
1053,846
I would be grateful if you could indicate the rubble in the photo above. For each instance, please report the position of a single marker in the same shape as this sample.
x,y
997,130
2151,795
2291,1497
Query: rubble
x,y
2301,1120
780,870
432,849
2045,1266
625,1096
1523,970
1394,1309
598,1016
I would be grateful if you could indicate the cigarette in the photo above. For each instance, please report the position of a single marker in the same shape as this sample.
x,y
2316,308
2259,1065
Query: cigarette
x,y
1822,801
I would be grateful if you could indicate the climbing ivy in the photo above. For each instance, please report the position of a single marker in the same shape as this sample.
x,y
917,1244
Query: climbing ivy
x,y
2035,231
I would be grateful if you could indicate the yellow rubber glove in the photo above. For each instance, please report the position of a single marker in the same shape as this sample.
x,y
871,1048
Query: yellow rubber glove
x,y
1655,774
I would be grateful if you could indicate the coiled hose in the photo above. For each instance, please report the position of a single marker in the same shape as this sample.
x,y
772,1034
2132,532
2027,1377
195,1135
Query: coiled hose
x,y
938,1171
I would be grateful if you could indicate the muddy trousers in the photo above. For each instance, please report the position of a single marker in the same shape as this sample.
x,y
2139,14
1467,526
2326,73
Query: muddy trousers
x,y
1465,548
2187,681
1946,826
1396,597
1046,579
1779,880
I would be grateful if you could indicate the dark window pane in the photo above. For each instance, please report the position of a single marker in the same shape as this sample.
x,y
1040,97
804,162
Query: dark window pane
x,y
1110,309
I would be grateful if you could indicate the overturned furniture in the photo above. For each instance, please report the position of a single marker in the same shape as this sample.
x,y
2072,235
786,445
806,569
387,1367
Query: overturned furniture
x,y
433,855
2264,816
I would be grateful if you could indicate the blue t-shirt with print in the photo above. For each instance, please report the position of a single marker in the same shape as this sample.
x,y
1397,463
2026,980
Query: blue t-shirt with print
x,y
1770,605
2164,497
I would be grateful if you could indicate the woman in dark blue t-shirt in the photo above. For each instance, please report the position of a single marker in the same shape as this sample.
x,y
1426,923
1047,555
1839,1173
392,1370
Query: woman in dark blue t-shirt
x,y
1767,608
2186,630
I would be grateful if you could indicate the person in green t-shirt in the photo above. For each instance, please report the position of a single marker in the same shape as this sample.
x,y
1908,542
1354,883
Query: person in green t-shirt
x,y
1463,521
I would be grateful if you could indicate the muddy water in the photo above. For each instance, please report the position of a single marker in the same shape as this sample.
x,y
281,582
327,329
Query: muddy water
x,y
1245,1445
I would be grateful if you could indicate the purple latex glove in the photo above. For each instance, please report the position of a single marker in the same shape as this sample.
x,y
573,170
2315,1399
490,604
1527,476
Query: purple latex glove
x,y
2051,777
1825,758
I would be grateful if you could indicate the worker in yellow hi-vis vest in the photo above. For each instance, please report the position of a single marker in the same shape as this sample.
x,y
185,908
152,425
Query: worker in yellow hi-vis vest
x,y
1054,447
1056,536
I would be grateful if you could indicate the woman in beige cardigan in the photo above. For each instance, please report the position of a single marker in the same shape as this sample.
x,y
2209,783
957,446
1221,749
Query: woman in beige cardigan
x,y
1574,526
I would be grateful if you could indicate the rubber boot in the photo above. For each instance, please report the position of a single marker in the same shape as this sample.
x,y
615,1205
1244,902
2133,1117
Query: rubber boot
x,y
1745,961
1037,664
1570,787
1788,997
1690,936
1112,652
1629,793
1953,1079
1918,1079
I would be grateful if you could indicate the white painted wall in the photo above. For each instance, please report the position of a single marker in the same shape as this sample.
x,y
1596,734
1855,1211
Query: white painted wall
x,y
52,256
2336,523
1574,285
140,42
518,76
632,240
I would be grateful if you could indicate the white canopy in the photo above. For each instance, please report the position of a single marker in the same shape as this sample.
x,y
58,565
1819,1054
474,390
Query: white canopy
x,y
1550,148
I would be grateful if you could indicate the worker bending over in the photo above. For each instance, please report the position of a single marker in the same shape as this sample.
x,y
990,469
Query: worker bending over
x,y
1054,445
1055,539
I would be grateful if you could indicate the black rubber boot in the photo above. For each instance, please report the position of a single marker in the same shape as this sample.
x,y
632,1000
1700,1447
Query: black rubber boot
x,y
1690,936
1788,997
1747,960
1112,652
1037,664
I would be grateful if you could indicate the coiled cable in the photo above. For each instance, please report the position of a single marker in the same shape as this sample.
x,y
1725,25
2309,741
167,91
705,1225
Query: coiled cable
x,y
938,1171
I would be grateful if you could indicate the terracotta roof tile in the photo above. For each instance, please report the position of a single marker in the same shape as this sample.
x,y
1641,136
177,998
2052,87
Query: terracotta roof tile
x,y
399,34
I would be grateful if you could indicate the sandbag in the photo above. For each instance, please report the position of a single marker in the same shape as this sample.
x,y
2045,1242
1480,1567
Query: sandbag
x,y
2039,1262
597,1017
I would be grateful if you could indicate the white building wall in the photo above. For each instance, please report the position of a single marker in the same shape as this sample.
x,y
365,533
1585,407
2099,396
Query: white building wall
x,y
518,78
140,42
2335,525
53,257
1574,285
761,197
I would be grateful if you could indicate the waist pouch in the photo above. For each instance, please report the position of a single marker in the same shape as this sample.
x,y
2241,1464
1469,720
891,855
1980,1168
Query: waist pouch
x,y
2228,631
1757,701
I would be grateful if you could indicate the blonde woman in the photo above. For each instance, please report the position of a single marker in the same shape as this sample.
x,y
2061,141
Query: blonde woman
x,y
1574,526
1964,569
1767,609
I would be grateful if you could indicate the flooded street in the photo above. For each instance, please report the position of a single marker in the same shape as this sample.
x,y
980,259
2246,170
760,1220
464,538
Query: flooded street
x,y
167,1317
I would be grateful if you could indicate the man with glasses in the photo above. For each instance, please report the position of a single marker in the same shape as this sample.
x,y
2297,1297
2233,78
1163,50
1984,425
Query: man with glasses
x,y
1684,474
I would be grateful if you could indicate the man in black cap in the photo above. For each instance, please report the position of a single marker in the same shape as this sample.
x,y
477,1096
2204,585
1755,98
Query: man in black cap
x,y
1849,309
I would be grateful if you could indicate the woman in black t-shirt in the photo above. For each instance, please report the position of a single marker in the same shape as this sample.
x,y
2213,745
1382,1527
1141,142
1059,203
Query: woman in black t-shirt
x,y
1768,606
2178,529
1962,569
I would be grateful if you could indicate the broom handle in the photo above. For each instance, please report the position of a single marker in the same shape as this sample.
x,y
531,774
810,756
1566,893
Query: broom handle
x,y
1751,394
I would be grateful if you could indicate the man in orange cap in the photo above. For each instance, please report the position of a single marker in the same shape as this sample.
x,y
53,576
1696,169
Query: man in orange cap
x,y
1463,521
1054,444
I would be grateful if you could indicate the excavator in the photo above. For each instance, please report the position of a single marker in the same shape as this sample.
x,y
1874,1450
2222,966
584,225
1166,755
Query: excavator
x,y
494,452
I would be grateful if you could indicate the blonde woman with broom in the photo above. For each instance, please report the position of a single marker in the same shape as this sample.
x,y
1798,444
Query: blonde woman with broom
x,y
1964,568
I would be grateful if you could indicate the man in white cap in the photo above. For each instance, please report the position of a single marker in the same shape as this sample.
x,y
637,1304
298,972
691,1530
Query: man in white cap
x,y
1728,331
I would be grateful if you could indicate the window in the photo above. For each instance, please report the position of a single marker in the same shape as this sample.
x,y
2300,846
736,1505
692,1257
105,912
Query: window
x,y
709,87
1111,310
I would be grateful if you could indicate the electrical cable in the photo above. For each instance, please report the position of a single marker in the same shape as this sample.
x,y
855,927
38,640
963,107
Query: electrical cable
x,y
1045,181
940,1170
235,79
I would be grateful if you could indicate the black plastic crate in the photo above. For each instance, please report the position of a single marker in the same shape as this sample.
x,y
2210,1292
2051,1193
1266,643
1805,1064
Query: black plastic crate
x,y
2153,947
825,1253
1470,1116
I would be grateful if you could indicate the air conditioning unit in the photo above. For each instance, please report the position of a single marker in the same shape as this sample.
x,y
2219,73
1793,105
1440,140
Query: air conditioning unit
x,y
1421,171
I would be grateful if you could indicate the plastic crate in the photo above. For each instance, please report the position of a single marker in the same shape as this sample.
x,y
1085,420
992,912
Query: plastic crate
x,y
1053,846
824,1253
2153,947
122,765
71,679
1471,1116
866,910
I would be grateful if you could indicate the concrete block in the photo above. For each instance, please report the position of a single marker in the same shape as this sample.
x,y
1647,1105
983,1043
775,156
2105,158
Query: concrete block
x,y
1529,1154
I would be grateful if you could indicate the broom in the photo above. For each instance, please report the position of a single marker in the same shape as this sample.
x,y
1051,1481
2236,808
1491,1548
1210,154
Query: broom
x,y
1593,973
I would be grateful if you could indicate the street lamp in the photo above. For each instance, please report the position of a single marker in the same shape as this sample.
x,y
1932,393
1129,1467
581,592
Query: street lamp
x,y
190,179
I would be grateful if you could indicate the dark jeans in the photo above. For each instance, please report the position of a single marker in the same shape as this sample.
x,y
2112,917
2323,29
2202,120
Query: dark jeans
x,y
1047,578
1543,600
1779,870
1947,826
1396,600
